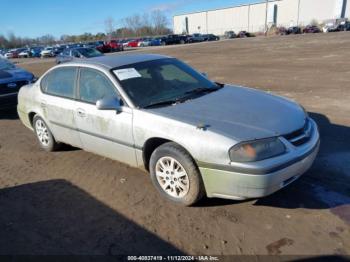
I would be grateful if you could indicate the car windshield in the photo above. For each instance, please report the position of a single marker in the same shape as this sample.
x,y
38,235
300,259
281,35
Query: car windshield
x,y
89,52
6,65
162,82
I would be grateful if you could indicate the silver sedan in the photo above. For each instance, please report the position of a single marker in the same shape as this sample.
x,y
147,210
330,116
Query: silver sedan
x,y
196,137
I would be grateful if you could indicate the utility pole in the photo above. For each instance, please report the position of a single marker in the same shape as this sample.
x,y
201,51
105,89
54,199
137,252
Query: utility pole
x,y
298,13
267,5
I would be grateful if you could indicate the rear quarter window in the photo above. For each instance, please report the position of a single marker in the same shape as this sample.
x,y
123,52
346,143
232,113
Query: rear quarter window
x,y
60,82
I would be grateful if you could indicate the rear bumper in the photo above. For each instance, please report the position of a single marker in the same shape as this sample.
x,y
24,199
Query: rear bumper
x,y
260,181
23,116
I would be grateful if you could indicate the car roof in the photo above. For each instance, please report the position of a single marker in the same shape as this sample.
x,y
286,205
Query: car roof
x,y
112,61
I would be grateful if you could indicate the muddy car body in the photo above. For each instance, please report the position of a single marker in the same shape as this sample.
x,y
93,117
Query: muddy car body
x,y
220,140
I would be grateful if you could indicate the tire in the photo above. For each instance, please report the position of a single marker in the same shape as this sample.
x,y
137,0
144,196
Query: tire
x,y
182,42
183,182
46,139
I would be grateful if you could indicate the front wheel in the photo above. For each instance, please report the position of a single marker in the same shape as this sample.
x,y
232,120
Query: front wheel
x,y
175,175
44,135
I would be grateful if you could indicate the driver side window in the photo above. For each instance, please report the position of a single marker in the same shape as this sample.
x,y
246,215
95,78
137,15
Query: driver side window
x,y
94,85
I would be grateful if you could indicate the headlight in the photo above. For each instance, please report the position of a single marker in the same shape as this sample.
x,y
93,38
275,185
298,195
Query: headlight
x,y
257,150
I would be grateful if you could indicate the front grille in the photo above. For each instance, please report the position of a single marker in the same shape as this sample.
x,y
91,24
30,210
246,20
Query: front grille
x,y
8,89
300,136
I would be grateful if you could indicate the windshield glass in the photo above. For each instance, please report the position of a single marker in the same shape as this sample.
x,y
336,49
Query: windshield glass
x,y
158,81
89,52
6,65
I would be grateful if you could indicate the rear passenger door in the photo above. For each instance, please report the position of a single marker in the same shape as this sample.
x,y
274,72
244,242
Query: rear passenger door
x,y
58,104
104,132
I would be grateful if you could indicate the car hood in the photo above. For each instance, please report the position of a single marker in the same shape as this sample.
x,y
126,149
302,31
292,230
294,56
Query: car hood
x,y
240,113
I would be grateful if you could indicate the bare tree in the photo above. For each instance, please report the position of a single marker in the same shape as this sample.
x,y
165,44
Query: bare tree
x,y
134,23
160,22
47,39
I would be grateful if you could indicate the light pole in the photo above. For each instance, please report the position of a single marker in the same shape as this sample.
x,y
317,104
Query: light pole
x,y
267,4
298,13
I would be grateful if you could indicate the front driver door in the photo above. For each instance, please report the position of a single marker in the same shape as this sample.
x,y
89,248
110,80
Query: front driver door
x,y
104,132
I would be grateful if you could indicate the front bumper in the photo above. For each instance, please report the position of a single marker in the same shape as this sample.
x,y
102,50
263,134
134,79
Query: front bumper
x,y
8,101
262,181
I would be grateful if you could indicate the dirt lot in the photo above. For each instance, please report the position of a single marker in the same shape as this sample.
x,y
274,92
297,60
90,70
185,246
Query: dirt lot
x,y
74,202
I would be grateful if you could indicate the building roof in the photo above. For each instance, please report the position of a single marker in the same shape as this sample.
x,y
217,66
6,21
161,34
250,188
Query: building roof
x,y
112,61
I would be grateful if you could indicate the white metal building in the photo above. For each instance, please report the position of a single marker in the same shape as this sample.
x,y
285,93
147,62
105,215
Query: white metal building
x,y
251,17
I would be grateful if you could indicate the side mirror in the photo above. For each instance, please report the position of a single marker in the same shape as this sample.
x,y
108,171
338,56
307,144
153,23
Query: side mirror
x,y
109,103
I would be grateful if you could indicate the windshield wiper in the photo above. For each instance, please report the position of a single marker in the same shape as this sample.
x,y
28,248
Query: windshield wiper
x,y
203,90
183,99
164,103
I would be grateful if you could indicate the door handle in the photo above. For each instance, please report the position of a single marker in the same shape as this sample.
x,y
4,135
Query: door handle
x,y
43,104
81,112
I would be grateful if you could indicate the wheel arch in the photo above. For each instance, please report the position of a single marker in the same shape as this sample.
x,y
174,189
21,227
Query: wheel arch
x,y
31,116
152,144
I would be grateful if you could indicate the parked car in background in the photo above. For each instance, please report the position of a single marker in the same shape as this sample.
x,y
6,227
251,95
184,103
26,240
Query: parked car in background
x,y
36,51
125,42
156,41
77,53
13,53
47,52
57,50
337,26
281,30
311,29
211,37
174,39
329,27
134,43
115,45
195,38
243,34
25,53
293,30
205,138
12,78
144,42
230,35
90,44
344,26
103,47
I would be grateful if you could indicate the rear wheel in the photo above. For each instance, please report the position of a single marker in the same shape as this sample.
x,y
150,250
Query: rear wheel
x,y
44,135
175,175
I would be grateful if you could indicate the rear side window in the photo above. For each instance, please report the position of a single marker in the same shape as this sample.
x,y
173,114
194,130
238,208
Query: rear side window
x,y
94,85
60,82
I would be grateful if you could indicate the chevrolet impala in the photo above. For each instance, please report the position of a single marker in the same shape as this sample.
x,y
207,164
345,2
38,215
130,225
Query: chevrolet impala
x,y
196,137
